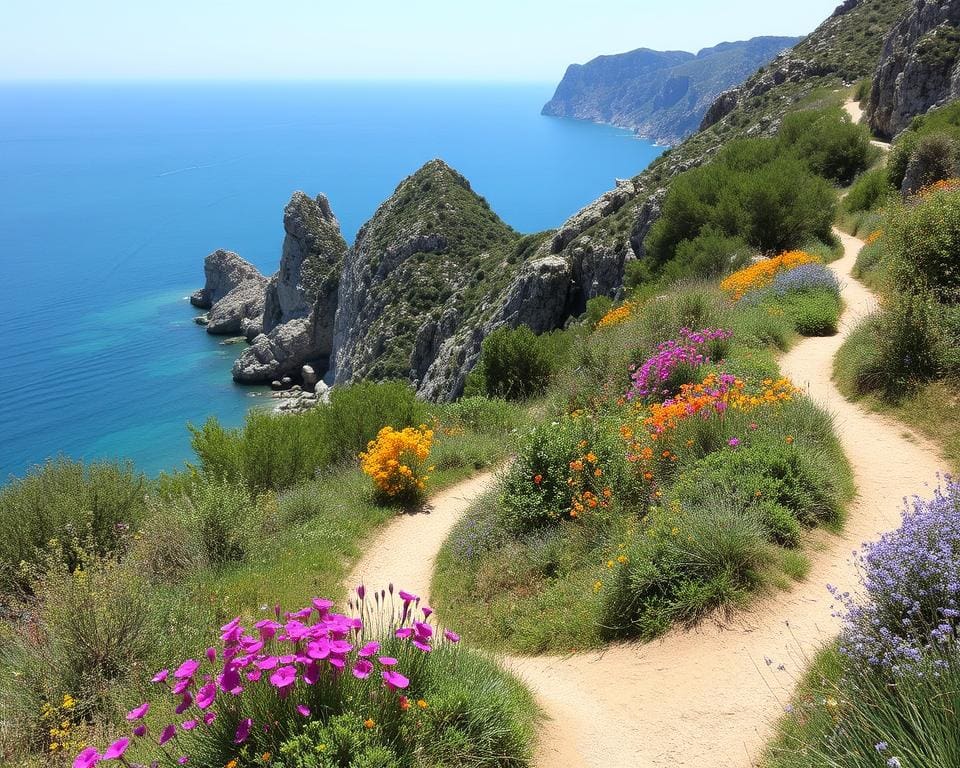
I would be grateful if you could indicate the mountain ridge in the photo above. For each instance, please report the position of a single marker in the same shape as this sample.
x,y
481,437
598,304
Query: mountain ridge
x,y
662,95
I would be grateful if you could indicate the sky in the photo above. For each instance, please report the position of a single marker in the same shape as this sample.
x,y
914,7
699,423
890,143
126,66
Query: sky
x,y
494,40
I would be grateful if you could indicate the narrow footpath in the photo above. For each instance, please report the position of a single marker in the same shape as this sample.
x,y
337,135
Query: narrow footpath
x,y
709,697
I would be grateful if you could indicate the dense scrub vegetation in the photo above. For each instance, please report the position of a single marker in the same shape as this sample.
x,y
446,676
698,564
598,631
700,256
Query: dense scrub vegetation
x,y
768,195
109,576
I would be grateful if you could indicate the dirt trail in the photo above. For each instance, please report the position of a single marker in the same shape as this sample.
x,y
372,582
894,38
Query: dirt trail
x,y
855,111
706,698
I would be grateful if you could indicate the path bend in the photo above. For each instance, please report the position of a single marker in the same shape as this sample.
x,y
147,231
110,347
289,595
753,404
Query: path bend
x,y
705,698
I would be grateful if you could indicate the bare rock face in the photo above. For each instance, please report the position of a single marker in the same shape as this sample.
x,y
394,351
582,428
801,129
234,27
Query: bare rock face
x,y
224,271
300,301
240,307
233,292
919,66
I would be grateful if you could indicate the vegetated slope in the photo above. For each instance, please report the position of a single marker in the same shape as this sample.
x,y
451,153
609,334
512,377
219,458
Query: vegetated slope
x,y
663,95
703,698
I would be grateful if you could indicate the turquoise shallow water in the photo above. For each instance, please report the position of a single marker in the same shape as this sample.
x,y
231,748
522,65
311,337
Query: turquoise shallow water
x,y
111,195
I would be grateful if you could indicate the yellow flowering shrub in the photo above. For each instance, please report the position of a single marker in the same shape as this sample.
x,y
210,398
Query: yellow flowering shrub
x,y
397,461
761,274
617,315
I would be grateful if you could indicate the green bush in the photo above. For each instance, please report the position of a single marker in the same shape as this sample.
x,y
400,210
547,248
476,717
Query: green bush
x,y
482,415
276,451
90,631
922,242
597,307
899,158
750,191
85,506
709,255
861,92
814,313
228,521
547,452
869,192
831,145
516,363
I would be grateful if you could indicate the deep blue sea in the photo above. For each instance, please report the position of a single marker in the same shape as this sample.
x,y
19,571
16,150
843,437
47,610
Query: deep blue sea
x,y
111,195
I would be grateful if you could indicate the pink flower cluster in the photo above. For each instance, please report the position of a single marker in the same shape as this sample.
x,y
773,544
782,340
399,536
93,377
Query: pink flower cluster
x,y
689,349
295,648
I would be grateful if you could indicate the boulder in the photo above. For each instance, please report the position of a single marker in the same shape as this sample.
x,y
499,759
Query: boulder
x,y
309,376
224,271
242,305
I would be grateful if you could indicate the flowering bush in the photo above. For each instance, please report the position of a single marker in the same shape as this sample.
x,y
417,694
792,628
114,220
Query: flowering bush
x,y
911,588
653,377
253,689
617,315
396,461
762,273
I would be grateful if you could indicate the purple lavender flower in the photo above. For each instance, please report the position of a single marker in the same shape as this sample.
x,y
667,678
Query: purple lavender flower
x,y
910,579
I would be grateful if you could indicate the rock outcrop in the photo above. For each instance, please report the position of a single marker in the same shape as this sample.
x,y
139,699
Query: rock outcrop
x,y
233,292
662,95
223,271
919,67
300,301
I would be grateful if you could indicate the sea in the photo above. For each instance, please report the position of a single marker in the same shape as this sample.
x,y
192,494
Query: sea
x,y
112,194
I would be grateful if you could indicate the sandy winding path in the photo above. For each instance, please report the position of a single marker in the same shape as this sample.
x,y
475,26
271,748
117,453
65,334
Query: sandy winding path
x,y
705,698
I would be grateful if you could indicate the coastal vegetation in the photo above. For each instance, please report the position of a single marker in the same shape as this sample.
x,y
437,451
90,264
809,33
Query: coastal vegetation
x,y
886,693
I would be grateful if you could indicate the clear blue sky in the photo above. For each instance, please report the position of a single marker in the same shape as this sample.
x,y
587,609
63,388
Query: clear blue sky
x,y
522,40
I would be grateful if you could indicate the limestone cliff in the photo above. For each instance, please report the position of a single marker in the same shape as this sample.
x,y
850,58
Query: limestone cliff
x,y
919,67
233,292
300,300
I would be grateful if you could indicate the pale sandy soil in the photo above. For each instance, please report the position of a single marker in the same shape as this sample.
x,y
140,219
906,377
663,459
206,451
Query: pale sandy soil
x,y
706,698
856,114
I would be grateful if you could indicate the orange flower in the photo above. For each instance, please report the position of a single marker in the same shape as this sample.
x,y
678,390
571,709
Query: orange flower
x,y
761,274
422,704
537,479
369,722
404,703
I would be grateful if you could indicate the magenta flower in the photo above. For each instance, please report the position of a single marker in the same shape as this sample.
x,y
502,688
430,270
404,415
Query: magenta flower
x,y
243,731
188,725
304,710
183,759
394,680
734,442
407,597
211,655
361,591
206,695
115,751
140,730
322,605
138,713
387,661
160,676
368,650
209,717
453,637
362,669
283,677
186,669
426,612
87,758
168,733
184,704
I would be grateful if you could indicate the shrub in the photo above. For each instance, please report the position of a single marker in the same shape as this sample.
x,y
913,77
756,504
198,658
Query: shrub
x,y
597,307
517,364
831,145
709,255
397,463
750,192
861,92
815,313
933,158
88,632
485,416
223,516
564,470
675,362
899,158
86,507
922,242
869,192
911,588
276,451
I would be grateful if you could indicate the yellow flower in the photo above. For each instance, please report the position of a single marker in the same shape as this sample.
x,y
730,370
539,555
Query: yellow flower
x,y
597,585
369,723
422,704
